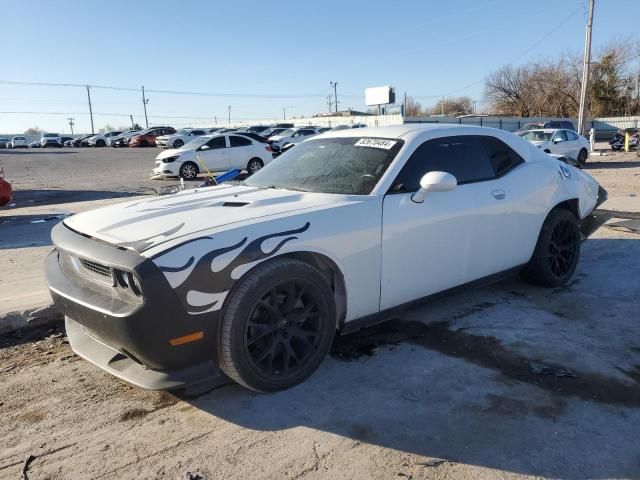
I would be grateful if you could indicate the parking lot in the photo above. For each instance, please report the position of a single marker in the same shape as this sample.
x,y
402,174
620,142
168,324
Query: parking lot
x,y
505,381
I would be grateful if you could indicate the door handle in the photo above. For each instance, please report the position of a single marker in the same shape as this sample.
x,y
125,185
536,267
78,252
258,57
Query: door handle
x,y
499,194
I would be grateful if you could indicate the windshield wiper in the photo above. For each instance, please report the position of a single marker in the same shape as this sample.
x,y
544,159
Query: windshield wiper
x,y
281,187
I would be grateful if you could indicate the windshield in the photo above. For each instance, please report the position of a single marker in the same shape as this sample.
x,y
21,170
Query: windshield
x,y
183,131
350,165
287,133
537,136
193,144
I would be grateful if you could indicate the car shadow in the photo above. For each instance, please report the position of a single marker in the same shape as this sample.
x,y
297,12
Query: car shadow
x,y
470,379
629,164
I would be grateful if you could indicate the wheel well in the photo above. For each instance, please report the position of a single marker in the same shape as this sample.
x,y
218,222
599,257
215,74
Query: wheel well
x,y
333,276
571,205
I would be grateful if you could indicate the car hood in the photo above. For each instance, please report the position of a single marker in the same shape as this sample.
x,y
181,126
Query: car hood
x,y
170,152
142,224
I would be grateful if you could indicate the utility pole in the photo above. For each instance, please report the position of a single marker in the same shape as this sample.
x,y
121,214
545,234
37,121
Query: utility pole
x,y
71,123
329,102
229,115
145,100
335,94
442,106
404,105
132,124
215,119
90,110
582,115
284,111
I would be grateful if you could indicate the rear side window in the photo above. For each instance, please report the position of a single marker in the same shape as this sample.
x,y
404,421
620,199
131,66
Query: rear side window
x,y
462,156
196,132
503,158
239,141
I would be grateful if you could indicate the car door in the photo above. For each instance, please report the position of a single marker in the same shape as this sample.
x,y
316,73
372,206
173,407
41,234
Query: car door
x,y
452,237
214,154
559,143
240,151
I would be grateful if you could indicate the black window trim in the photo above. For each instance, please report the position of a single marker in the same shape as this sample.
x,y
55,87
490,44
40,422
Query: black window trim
x,y
390,190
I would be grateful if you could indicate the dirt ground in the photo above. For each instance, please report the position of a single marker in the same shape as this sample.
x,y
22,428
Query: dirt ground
x,y
505,381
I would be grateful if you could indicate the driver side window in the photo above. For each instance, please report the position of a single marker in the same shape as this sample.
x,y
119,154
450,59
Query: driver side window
x,y
559,136
462,156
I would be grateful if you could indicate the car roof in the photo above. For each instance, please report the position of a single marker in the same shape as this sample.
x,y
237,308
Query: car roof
x,y
399,131
545,130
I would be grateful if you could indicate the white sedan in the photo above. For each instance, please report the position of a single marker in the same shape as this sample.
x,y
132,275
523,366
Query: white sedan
x,y
215,154
253,279
293,136
18,142
181,137
559,142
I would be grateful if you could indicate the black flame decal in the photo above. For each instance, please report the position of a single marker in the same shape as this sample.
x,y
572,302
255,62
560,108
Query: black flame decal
x,y
203,279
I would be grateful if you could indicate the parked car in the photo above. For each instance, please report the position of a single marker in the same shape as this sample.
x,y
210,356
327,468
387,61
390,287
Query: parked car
x,y
258,128
178,139
560,142
6,191
65,140
292,135
102,139
284,125
147,138
271,132
4,142
341,232
18,142
123,139
51,140
85,141
35,144
551,124
218,153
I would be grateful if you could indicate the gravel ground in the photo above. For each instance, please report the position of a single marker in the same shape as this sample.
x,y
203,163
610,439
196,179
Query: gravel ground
x,y
506,381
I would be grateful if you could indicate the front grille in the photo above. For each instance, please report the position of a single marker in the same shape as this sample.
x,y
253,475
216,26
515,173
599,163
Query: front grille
x,y
95,271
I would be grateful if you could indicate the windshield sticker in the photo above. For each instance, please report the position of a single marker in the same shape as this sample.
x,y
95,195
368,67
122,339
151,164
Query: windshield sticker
x,y
376,143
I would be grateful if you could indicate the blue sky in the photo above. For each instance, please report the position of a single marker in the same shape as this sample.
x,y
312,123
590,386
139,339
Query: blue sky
x,y
271,49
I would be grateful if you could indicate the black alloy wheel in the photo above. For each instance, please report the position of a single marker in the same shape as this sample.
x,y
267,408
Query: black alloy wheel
x,y
284,329
563,248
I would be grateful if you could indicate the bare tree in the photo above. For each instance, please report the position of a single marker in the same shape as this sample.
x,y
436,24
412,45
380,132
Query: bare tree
x,y
413,108
33,131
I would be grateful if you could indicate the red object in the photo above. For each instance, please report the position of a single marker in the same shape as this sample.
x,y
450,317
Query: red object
x,y
5,192
148,137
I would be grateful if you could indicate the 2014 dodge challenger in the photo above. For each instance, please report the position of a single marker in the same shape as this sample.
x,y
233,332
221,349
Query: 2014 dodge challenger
x,y
252,280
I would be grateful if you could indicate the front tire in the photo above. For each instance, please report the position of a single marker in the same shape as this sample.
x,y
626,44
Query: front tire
x,y
556,254
100,143
189,171
254,165
277,326
178,143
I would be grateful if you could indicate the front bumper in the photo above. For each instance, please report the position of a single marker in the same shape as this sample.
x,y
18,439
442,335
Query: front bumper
x,y
165,170
142,340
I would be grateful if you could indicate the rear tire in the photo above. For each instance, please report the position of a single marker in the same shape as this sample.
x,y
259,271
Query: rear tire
x,y
582,157
178,143
189,170
556,254
144,143
100,143
277,326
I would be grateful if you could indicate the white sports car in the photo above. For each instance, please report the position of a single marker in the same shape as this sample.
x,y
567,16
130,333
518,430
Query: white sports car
x,y
254,279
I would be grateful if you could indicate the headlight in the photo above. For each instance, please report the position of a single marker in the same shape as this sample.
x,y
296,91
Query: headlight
x,y
170,159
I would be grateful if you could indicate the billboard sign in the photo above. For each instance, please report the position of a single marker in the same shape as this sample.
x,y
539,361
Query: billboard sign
x,y
379,96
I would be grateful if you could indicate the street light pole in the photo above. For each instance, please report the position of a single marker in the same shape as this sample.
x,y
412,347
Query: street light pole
x,y
145,100
71,124
229,115
90,110
582,115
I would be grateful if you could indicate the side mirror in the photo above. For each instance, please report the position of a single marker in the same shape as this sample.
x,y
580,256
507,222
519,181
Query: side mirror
x,y
434,182
204,147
